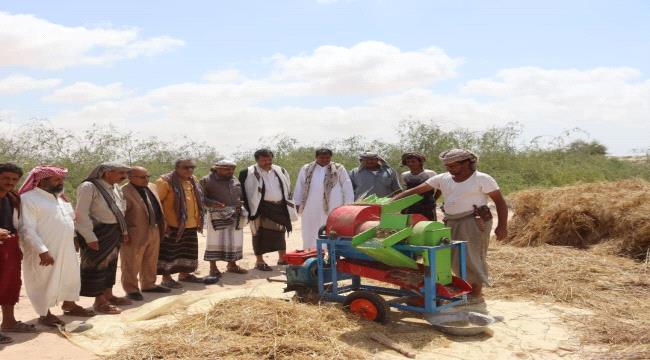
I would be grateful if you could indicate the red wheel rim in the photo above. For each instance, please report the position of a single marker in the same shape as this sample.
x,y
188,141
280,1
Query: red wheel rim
x,y
364,308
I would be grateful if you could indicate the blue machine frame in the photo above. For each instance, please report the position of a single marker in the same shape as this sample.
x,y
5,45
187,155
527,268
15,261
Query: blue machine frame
x,y
342,248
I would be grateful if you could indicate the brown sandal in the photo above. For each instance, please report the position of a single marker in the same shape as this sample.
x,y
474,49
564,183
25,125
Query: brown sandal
x,y
78,311
263,267
5,339
50,321
108,309
21,327
236,270
118,301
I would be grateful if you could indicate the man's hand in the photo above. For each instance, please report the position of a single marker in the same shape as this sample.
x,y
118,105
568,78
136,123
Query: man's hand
x,y
46,259
126,239
4,234
93,245
501,232
216,204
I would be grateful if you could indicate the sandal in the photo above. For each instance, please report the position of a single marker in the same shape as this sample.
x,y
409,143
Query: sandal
x,y
215,273
211,280
191,278
107,308
21,327
78,311
5,339
119,301
236,270
263,267
171,284
50,321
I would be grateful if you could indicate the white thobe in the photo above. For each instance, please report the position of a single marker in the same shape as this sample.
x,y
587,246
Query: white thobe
x,y
47,224
313,211
272,186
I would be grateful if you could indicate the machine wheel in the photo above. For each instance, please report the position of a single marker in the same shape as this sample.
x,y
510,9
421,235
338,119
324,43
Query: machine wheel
x,y
367,305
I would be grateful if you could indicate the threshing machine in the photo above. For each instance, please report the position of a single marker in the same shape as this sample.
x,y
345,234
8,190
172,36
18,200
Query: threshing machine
x,y
370,257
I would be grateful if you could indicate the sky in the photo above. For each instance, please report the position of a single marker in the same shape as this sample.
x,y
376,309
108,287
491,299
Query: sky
x,y
232,72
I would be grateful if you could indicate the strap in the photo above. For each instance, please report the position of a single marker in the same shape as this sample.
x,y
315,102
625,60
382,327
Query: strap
x,y
119,216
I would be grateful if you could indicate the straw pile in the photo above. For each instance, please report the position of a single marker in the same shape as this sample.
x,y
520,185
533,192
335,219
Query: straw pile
x,y
614,215
254,328
615,289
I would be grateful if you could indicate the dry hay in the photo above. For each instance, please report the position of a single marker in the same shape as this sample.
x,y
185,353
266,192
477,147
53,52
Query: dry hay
x,y
251,328
615,215
263,328
615,289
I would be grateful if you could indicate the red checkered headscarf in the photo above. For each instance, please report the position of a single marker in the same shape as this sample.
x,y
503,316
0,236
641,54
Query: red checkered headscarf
x,y
39,173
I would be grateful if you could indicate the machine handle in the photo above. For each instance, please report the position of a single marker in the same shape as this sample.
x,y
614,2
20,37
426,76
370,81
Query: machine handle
x,y
321,232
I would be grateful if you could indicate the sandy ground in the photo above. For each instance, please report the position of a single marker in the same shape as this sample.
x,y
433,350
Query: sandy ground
x,y
530,331
49,344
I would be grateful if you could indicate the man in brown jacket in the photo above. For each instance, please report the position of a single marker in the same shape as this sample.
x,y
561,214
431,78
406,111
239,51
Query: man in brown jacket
x,y
146,224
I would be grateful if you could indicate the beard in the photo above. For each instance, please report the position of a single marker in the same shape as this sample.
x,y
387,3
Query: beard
x,y
55,189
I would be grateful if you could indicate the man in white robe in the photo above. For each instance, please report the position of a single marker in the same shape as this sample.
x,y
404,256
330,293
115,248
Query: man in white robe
x,y
50,263
322,186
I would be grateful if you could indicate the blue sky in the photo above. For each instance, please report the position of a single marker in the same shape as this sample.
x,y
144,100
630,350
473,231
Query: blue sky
x,y
146,65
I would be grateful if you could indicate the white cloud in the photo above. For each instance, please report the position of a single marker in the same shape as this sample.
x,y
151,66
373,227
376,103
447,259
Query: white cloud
x,y
224,76
368,67
83,92
6,115
584,98
230,109
16,84
29,41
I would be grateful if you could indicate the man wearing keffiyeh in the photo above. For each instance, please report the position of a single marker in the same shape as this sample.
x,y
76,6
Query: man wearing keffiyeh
x,y
182,201
322,186
226,217
373,177
50,264
466,192
102,229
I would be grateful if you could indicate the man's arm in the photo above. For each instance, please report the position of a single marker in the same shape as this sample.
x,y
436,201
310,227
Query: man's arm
x,y
346,187
29,218
297,192
501,231
207,202
395,185
422,188
83,222
353,178
242,180
162,188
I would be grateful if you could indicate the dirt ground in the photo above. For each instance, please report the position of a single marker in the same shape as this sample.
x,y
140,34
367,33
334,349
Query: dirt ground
x,y
530,330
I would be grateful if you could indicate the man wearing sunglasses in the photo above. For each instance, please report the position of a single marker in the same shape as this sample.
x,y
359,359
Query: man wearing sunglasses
x,y
146,224
182,203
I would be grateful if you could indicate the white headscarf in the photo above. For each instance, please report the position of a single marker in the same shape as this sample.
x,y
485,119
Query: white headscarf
x,y
457,155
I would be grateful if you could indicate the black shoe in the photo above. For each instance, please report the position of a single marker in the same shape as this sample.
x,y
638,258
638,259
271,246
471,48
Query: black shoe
x,y
263,267
211,280
135,296
158,289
